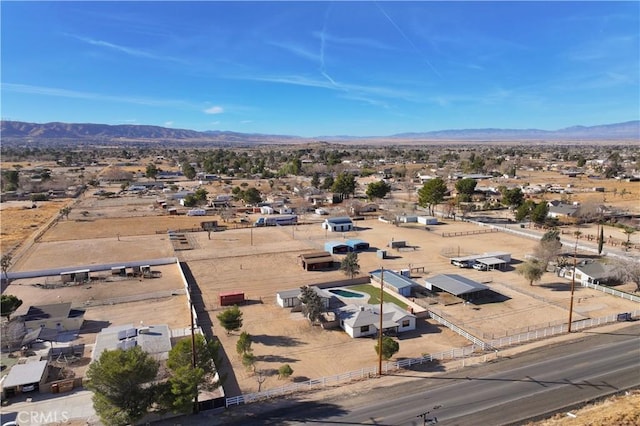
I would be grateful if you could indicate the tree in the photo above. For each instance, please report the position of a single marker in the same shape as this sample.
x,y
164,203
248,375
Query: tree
x,y
10,179
512,197
181,390
231,319
349,265
539,213
249,360
285,371
601,239
389,347
628,270
327,183
344,185
432,193
5,264
532,270
312,306
315,180
243,345
252,196
121,385
465,188
548,248
378,190
65,211
9,304
628,230
188,171
524,210
151,171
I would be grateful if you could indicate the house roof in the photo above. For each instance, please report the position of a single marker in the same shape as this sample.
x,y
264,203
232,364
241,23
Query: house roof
x,y
564,209
491,261
595,270
339,220
25,374
334,244
43,312
393,279
156,340
315,254
363,315
455,284
290,294
316,260
356,242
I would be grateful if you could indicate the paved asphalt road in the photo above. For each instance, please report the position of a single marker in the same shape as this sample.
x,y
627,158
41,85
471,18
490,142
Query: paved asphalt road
x,y
509,391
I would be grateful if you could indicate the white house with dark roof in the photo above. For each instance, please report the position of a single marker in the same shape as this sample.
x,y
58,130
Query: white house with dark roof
x,y
588,272
560,210
338,224
364,320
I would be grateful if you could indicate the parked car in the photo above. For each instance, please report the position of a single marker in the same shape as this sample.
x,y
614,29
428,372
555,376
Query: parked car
x,y
460,264
480,267
28,388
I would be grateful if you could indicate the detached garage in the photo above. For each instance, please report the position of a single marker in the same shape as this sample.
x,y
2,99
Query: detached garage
x,y
336,247
357,245
316,260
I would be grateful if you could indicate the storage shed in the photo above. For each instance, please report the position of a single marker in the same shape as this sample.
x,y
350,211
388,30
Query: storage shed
x,y
427,220
336,247
357,245
316,261
291,298
338,224
394,281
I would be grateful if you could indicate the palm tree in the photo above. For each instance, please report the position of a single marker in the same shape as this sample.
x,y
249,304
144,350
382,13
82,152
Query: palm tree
x,y
628,230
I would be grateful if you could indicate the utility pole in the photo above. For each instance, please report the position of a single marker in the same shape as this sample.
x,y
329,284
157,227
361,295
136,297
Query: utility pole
x,y
573,280
193,348
380,326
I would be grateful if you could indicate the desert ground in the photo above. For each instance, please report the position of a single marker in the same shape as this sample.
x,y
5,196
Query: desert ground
x,y
263,261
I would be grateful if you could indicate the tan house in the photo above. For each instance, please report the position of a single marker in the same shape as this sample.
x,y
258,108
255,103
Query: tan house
x,y
58,316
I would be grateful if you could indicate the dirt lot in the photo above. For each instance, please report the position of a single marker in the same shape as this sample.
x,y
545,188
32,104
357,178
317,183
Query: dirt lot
x,y
262,261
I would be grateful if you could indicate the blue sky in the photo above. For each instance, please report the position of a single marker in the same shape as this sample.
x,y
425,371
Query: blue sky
x,y
322,68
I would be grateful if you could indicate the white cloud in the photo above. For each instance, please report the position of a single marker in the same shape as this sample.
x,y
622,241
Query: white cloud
x,y
214,110
168,123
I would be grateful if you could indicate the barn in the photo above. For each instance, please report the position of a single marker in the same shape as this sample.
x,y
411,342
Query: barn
x,y
316,260
456,285
357,244
336,247
338,224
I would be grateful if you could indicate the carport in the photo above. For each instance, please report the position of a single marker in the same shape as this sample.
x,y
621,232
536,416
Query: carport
x,y
493,263
457,285
24,375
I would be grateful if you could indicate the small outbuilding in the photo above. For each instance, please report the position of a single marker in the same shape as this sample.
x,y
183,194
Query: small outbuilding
x,y
364,320
291,298
357,245
394,281
336,247
427,220
316,261
338,224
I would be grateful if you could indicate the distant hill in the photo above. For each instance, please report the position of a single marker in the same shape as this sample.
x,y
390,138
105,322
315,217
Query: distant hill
x,y
17,130
617,131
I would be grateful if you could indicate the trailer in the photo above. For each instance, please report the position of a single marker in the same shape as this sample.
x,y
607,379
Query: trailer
x,y
231,298
289,219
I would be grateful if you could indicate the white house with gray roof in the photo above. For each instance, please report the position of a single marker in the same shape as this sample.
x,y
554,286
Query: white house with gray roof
x,y
364,320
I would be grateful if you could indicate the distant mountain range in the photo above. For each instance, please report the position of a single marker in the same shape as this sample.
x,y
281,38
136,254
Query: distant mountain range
x,y
17,130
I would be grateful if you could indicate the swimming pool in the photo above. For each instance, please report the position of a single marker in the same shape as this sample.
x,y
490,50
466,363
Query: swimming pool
x,y
346,293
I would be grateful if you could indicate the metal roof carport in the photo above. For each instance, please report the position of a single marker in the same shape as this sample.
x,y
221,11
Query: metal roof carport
x,y
493,262
455,284
25,374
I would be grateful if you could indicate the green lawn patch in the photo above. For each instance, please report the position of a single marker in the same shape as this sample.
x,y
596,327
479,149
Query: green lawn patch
x,y
374,292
